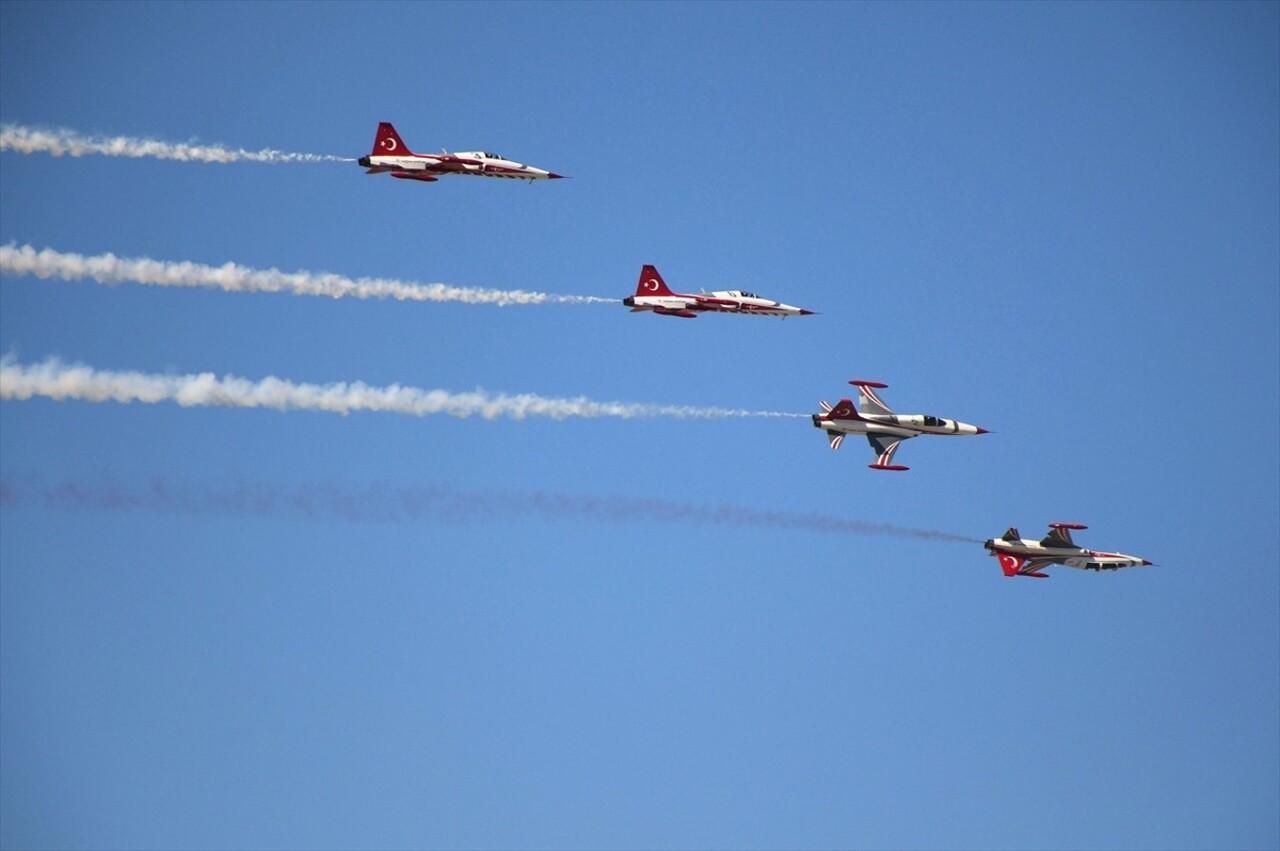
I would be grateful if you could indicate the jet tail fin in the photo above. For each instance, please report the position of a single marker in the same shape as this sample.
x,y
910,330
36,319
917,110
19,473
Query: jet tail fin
x,y
842,410
651,282
388,143
1011,564
1016,566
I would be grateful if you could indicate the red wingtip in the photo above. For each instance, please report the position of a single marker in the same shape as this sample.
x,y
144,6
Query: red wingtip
x,y
888,467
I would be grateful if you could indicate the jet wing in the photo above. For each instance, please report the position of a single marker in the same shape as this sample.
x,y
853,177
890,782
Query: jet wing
x,y
719,302
448,163
869,402
885,446
450,167
1034,566
1060,535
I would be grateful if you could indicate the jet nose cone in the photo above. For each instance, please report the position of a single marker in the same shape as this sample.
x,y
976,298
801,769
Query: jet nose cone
x,y
551,175
804,312
982,430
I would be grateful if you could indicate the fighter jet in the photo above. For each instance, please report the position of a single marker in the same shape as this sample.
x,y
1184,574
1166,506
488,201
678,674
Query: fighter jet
x,y
652,293
884,429
1019,557
390,154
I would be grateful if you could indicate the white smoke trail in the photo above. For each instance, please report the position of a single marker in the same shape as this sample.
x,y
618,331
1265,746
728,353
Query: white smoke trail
x,y
55,380
29,140
232,277
439,503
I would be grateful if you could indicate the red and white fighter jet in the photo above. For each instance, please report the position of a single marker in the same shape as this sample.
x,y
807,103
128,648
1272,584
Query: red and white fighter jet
x,y
652,293
1019,557
390,154
884,429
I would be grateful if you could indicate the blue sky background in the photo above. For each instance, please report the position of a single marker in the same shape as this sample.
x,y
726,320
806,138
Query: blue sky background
x,y
1057,221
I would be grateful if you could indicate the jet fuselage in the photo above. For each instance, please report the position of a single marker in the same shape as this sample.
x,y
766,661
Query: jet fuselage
x,y
1077,557
898,425
392,156
721,301
653,294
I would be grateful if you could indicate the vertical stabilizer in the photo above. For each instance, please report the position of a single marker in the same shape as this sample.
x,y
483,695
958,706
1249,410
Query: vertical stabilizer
x,y
651,282
1011,564
843,410
388,143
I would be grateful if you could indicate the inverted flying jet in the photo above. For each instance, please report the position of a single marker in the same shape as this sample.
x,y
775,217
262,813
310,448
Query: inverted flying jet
x,y
391,155
884,429
652,293
1019,557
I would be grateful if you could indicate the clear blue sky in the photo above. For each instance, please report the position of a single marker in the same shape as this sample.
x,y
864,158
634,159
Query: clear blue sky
x,y
1057,221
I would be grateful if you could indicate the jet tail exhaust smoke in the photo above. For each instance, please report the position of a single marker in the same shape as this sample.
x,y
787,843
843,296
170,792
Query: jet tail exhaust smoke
x,y
232,277
53,379
30,140
440,503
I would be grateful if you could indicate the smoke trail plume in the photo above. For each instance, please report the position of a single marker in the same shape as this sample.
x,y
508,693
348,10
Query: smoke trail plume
x,y
55,380
29,140
232,277
439,503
